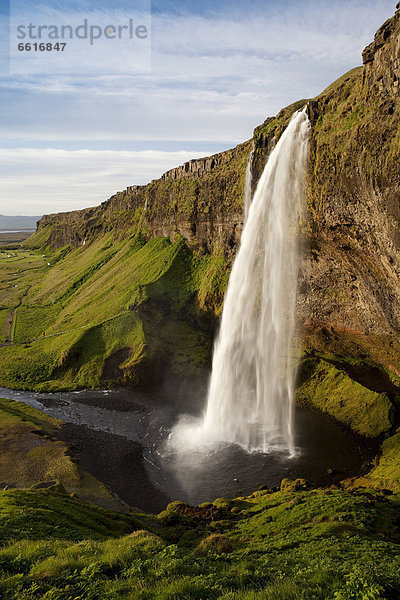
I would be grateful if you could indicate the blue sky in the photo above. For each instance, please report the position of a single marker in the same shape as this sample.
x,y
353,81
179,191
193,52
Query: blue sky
x,y
218,70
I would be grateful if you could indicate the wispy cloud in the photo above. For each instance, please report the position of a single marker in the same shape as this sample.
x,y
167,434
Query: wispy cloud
x,y
212,78
216,74
55,180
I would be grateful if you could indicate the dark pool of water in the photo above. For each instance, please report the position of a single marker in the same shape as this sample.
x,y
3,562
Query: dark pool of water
x,y
120,435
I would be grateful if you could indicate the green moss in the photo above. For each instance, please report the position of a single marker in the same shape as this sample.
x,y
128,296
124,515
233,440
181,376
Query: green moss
x,y
30,323
172,516
277,125
287,545
48,515
386,472
112,312
38,239
331,390
31,454
216,543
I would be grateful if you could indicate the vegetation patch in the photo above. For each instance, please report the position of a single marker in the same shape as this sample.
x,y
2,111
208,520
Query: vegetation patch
x,y
331,390
110,311
31,455
385,473
329,544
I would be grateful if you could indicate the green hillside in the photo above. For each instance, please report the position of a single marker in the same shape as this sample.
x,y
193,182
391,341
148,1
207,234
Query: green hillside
x,y
108,312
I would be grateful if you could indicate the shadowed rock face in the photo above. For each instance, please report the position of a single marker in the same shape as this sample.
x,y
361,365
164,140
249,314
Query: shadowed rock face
x,y
351,278
349,299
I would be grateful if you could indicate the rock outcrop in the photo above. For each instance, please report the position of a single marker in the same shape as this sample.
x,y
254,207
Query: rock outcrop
x,y
351,278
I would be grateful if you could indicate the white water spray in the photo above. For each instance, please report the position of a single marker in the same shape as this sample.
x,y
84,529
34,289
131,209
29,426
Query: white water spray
x,y
248,180
250,400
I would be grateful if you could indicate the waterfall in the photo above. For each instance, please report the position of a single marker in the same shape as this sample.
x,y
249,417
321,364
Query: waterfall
x,y
252,383
248,185
251,390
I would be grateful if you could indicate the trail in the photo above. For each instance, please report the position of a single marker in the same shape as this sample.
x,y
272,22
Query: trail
x,y
11,319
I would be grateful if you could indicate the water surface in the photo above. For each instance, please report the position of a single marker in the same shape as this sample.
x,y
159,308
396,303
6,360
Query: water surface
x,y
121,437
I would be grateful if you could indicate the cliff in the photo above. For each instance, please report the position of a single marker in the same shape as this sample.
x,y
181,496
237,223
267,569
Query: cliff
x,y
200,200
349,292
352,273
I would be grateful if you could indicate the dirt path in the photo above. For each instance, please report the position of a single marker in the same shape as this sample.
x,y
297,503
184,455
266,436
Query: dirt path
x,y
11,318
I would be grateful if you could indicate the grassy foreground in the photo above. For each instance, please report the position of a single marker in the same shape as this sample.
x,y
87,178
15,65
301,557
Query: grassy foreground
x,y
287,545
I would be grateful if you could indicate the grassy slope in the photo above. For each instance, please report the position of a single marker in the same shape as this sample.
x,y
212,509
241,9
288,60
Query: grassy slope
x,y
331,544
31,455
386,469
152,302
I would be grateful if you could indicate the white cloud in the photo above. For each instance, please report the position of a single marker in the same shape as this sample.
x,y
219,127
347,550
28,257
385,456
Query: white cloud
x,y
36,181
213,80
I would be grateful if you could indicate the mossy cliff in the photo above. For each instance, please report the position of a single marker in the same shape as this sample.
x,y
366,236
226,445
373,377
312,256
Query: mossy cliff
x,y
352,273
202,201
357,394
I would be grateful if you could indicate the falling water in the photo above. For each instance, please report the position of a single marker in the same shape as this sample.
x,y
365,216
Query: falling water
x,y
248,180
252,383
251,390
248,185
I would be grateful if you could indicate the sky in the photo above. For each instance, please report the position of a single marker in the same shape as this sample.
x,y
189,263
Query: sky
x,y
77,127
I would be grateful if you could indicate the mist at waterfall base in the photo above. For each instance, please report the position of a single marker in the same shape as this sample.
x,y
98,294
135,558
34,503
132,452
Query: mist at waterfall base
x,y
251,390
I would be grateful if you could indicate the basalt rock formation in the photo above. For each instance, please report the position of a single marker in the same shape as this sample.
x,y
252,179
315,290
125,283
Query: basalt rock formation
x,y
351,280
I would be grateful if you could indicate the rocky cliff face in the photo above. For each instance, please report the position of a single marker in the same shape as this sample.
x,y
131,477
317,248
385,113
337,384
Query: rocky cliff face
x,y
201,200
349,299
351,279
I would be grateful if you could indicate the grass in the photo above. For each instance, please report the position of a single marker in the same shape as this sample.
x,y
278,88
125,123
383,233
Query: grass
x,y
331,544
31,454
4,324
151,303
50,515
385,473
331,390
